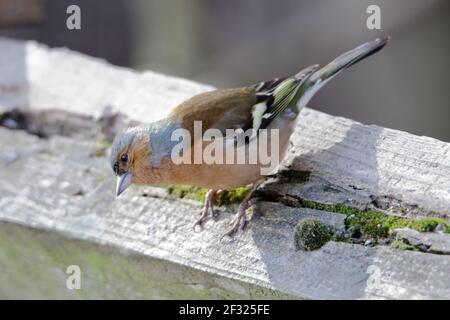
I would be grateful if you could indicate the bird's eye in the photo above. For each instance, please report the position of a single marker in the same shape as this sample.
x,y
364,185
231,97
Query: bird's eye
x,y
124,157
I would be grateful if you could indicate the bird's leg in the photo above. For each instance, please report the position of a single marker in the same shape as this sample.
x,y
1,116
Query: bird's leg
x,y
207,206
237,222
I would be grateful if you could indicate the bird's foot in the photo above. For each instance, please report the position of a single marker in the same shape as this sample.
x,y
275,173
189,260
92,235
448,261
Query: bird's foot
x,y
207,206
202,218
238,222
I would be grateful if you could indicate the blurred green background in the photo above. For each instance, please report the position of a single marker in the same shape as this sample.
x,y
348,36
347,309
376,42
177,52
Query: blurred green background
x,y
233,43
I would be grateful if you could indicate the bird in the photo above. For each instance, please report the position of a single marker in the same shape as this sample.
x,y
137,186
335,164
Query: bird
x,y
143,155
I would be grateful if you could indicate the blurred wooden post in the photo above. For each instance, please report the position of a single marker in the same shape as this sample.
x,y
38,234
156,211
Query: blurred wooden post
x,y
15,13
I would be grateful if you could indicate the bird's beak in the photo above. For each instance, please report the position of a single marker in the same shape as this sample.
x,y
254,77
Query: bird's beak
x,y
123,182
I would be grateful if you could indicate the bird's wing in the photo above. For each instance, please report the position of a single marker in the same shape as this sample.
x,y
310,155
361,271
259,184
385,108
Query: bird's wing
x,y
244,108
275,96
219,109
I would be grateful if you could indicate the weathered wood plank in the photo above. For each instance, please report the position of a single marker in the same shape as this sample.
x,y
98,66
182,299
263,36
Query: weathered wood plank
x,y
65,185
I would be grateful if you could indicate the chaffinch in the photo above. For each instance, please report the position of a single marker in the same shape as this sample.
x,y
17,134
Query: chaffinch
x,y
145,154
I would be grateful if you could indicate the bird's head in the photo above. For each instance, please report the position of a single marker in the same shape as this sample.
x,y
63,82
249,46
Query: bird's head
x,y
128,151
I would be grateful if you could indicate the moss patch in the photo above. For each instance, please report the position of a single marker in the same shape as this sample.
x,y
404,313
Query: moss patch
x,y
428,224
198,194
379,225
187,192
375,224
232,196
311,234
401,245
337,208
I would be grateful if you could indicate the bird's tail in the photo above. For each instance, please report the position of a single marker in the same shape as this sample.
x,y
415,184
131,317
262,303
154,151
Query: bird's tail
x,y
320,77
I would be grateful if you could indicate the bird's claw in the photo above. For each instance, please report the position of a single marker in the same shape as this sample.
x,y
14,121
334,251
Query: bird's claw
x,y
201,219
238,222
236,225
207,207
198,223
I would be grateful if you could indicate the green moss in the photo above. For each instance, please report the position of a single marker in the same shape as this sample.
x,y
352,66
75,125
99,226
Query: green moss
x,y
370,223
311,234
232,196
379,225
375,224
428,224
401,245
337,208
187,192
198,194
